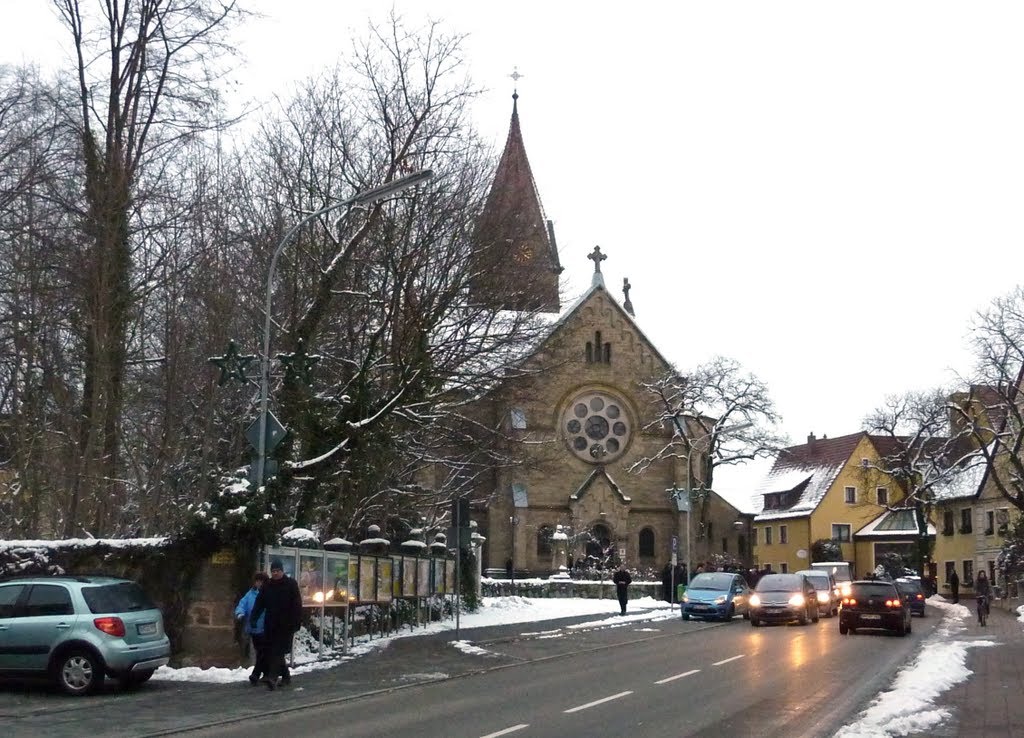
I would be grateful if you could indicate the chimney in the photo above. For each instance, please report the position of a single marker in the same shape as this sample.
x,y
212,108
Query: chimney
x,y
810,441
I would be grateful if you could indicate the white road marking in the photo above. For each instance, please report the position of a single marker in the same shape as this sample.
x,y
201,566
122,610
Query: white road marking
x,y
677,676
726,661
506,731
598,702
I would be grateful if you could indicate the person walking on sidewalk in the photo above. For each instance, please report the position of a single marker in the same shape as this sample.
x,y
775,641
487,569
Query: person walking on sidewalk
x,y
954,585
252,628
983,595
622,581
280,600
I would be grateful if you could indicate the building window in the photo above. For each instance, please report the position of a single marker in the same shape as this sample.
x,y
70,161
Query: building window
x,y
965,520
596,427
950,568
841,532
783,534
882,493
725,545
518,418
784,568
992,573
968,577
768,536
544,534
599,352
1003,519
947,522
850,495
741,545
709,531
990,522
753,536
646,542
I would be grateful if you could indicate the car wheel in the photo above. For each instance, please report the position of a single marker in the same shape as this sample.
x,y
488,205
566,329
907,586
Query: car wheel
x,y
843,630
686,616
901,629
803,619
853,631
910,625
135,678
754,621
814,617
79,672
731,614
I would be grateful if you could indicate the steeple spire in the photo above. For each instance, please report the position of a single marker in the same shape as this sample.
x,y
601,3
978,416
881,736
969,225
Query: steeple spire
x,y
597,257
515,246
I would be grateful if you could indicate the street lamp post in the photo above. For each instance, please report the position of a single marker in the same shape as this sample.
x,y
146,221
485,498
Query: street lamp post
x,y
366,197
512,519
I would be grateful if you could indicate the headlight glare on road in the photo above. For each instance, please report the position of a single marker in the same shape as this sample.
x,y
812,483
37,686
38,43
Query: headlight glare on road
x,y
797,600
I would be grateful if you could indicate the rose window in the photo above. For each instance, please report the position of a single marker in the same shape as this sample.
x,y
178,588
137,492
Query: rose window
x,y
596,427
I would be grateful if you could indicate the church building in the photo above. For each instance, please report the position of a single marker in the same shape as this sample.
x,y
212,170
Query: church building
x,y
578,411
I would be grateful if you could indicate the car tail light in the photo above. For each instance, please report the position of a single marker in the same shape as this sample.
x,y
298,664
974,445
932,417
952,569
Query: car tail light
x,y
920,596
849,601
893,603
110,626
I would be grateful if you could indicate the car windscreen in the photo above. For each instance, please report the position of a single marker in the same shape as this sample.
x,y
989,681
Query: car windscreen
x,y
120,597
712,581
909,587
818,579
871,589
780,583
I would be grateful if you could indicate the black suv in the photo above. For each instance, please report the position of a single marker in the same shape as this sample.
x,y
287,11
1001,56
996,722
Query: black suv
x,y
874,604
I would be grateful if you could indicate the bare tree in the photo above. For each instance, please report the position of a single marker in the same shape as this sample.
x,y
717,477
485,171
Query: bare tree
x,y
921,452
719,415
991,409
145,73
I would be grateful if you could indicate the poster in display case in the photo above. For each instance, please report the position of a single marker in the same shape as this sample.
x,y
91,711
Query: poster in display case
x,y
384,590
286,556
367,579
354,595
422,577
408,576
311,579
449,568
437,571
396,576
337,571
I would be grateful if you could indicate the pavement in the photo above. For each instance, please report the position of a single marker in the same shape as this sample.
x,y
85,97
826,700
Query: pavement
x,y
991,702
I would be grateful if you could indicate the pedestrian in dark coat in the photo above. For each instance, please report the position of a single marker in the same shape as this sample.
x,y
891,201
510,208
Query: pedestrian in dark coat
x,y
666,583
680,572
280,601
954,585
622,581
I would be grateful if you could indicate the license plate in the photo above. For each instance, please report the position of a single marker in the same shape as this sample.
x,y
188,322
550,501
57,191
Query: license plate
x,y
870,617
146,629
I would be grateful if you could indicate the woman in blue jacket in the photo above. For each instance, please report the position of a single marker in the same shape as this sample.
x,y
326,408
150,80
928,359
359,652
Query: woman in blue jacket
x,y
254,628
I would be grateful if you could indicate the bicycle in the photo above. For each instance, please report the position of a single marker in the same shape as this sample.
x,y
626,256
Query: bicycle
x,y
983,609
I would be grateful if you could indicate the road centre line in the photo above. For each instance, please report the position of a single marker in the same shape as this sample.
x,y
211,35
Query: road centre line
x,y
598,702
506,731
677,676
726,661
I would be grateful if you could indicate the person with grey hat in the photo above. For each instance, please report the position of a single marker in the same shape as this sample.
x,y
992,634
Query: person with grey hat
x,y
281,604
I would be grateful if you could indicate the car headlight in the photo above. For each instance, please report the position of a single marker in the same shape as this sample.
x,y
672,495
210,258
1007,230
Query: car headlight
x,y
720,600
823,598
844,590
754,601
797,600
686,598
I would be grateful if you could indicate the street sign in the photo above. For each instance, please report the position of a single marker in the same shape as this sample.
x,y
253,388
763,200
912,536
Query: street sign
x,y
675,546
275,433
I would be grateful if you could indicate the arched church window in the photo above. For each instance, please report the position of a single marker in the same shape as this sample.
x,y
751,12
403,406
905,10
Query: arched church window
x,y
599,542
646,542
544,534
590,352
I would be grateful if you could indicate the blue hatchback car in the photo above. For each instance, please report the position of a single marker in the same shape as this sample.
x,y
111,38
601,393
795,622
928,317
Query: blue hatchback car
x,y
716,595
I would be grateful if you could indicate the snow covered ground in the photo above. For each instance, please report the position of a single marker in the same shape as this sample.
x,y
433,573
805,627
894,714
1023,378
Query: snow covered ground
x,y
907,707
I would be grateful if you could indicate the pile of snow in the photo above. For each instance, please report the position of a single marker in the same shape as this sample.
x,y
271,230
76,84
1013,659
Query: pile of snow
x,y
493,611
909,706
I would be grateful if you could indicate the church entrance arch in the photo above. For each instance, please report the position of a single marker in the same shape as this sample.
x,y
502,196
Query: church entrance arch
x,y
599,543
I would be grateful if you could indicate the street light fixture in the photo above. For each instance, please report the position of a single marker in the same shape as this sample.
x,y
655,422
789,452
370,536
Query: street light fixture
x,y
365,197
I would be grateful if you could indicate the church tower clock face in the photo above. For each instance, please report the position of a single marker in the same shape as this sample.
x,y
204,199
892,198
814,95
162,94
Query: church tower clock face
x,y
596,427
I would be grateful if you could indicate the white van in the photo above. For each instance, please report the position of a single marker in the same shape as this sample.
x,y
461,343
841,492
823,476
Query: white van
x,y
841,571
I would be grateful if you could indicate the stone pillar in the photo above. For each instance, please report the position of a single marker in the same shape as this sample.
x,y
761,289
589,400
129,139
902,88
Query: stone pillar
x,y
208,636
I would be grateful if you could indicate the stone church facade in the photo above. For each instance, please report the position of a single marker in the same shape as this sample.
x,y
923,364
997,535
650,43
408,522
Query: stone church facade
x,y
580,420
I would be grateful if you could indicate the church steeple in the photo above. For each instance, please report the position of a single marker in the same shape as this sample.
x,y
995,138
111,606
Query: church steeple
x,y
515,253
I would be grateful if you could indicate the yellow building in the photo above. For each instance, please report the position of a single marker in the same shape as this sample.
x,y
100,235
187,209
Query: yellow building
x,y
830,489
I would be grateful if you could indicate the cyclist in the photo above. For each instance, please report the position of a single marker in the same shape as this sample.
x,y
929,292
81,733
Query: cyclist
x,y
983,594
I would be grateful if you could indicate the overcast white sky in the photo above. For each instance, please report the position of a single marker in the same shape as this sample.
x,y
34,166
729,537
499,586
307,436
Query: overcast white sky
x,y
825,191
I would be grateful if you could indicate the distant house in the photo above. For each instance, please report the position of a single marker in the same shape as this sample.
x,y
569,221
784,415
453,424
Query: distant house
x,y
830,489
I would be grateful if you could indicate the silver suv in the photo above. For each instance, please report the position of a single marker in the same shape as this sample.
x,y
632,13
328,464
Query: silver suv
x,y
77,630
